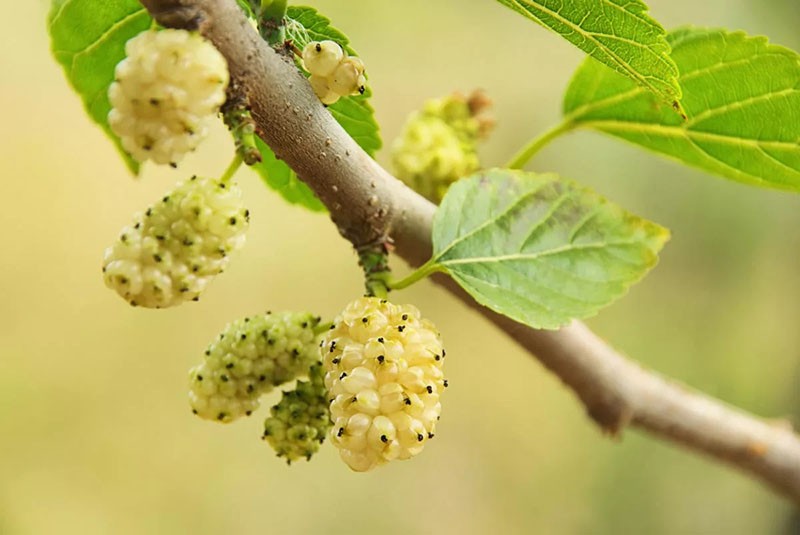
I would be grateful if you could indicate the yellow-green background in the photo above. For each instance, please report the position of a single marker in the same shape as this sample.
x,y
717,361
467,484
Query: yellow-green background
x,y
95,432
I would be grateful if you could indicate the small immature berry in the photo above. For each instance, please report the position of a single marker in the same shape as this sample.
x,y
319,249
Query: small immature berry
x,y
384,381
439,143
298,424
170,253
322,57
251,357
165,92
333,73
323,90
348,78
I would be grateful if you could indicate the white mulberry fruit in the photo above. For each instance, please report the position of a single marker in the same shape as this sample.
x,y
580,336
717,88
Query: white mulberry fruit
x,y
174,249
251,357
384,375
165,92
300,421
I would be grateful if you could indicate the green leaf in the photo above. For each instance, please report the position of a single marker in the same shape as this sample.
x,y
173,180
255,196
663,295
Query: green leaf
x,y
305,24
618,33
742,96
283,180
540,250
88,39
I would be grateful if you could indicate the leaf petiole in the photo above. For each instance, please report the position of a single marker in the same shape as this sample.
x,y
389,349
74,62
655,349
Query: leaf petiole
x,y
428,268
535,145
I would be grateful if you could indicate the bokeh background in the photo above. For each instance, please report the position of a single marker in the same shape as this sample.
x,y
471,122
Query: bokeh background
x,y
95,433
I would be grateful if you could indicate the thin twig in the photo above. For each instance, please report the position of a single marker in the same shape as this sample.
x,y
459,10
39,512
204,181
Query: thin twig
x,y
367,204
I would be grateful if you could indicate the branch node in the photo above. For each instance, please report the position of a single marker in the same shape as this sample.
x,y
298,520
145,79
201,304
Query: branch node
x,y
180,14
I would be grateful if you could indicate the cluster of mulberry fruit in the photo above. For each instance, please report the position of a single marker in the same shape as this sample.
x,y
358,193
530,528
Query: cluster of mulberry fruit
x,y
384,376
373,381
164,93
170,253
334,74
299,423
438,144
251,357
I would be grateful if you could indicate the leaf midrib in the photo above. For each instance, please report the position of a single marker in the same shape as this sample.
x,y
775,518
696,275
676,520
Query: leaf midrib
x,y
535,256
590,36
518,201
673,131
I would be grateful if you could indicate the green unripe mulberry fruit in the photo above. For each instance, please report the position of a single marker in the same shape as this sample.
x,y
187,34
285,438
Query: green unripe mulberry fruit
x,y
165,92
438,144
177,246
299,423
384,375
251,357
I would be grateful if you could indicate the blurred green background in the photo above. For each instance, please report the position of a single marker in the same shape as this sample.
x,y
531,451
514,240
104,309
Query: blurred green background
x,y
95,432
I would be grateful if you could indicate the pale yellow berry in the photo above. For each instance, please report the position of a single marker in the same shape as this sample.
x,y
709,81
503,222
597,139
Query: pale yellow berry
x,y
322,57
384,375
322,90
348,78
164,94
172,251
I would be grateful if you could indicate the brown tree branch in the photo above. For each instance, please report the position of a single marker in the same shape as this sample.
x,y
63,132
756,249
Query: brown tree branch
x,y
367,204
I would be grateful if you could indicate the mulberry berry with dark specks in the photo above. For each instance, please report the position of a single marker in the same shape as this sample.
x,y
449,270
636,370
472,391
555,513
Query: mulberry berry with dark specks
x,y
385,382
165,92
300,421
171,252
251,357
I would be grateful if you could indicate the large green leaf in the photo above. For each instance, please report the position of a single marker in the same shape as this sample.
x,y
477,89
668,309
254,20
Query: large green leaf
x,y
88,39
540,250
742,96
619,33
305,24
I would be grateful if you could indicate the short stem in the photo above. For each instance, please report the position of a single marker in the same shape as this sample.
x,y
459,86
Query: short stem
x,y
535,145
374,260
378,285
273,9
323,327
273,28
232,168
240,122
428,268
